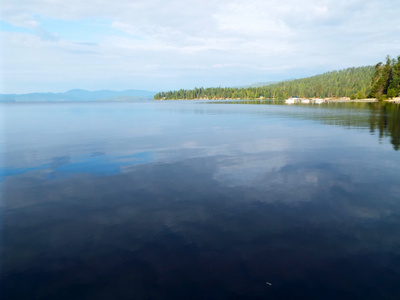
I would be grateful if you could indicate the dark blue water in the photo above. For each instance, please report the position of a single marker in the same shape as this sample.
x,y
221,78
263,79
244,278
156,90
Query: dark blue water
x,y
194,200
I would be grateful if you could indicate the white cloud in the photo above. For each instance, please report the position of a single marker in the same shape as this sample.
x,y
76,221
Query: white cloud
x,y
21,20
250,19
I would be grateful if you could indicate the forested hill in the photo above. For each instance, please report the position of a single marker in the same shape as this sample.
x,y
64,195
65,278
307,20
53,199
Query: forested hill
x,y
343,83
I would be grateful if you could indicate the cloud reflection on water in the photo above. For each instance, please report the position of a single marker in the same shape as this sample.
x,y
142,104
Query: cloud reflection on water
x,y
202,205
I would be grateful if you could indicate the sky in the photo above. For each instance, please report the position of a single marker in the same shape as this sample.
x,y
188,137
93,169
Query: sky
x,y
159,45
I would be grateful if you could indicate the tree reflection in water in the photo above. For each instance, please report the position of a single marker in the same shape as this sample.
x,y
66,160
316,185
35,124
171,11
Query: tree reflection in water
x,y
385,118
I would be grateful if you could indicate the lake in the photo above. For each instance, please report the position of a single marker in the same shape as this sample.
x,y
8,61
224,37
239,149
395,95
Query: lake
x,y
200,200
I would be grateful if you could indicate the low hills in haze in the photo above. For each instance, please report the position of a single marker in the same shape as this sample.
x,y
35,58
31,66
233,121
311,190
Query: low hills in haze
x,y
78,95
257,84
341,83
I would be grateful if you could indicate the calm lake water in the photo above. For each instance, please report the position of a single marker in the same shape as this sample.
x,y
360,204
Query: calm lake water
x,y
200,200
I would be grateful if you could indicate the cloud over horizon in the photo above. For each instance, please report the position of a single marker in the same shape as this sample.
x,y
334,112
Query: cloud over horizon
x,y
49,45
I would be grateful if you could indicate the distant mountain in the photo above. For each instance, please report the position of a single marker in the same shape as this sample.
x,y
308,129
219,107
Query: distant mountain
x,y
260,84
78,95
257,84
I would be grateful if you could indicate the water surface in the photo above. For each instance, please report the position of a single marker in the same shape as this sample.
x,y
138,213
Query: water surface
x,y
200,200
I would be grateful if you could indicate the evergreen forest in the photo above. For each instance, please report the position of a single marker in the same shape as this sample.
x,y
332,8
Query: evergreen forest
x,y
385,81
381,81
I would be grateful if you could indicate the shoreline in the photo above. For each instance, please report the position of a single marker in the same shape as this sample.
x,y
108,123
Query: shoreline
x,y
395,100
347,99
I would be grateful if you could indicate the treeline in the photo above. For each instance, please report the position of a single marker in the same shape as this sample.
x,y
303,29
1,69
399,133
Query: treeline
x,y
343,83
386,79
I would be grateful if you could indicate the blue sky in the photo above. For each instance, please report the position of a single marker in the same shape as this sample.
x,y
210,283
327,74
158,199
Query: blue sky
x,y
54,46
